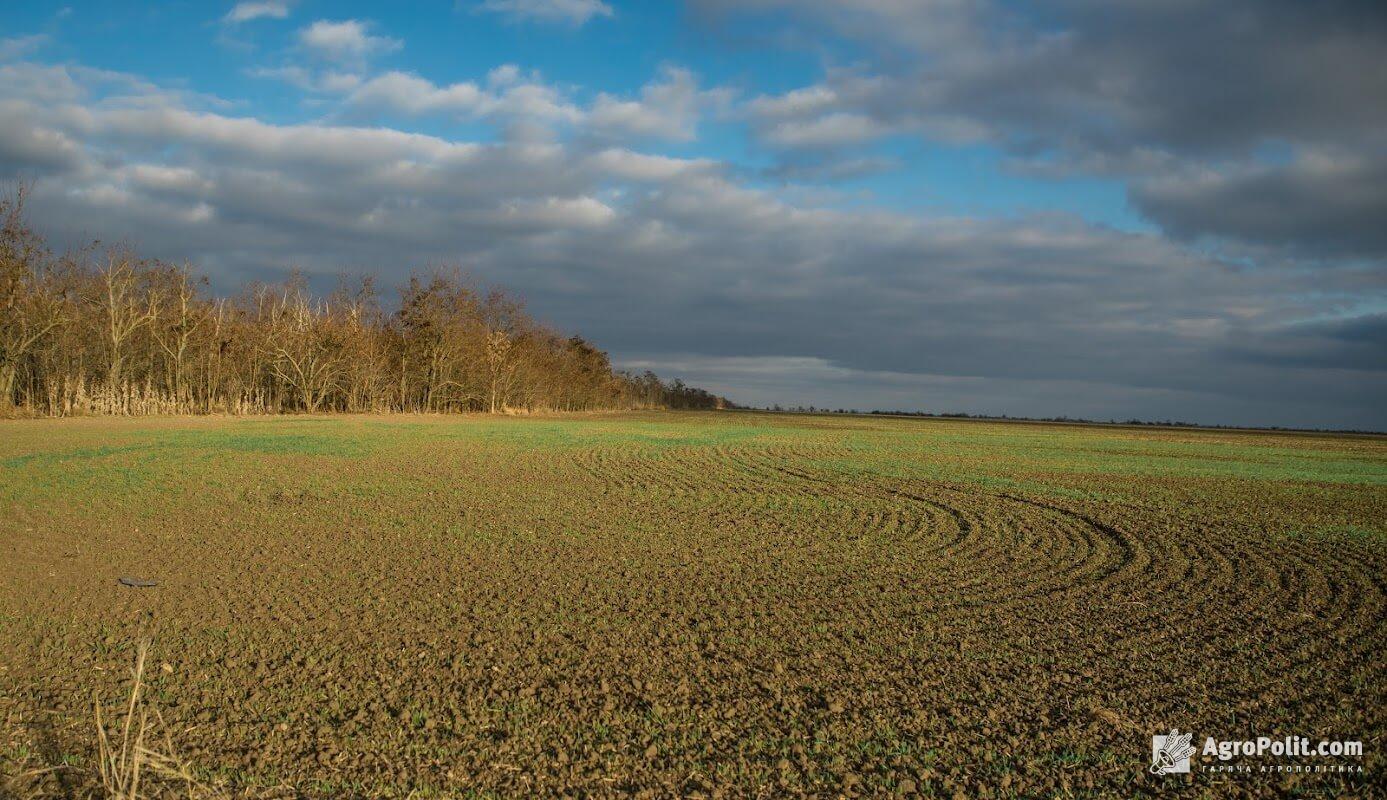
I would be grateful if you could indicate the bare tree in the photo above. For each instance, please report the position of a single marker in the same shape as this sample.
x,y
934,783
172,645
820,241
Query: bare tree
x,y
500,368
182,318
29,307
131,336
125,309
305,353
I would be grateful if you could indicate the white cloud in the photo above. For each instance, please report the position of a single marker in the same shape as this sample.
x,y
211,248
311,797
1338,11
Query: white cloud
x,y
830,130
851,108
332,81
573,12
508,98
16,47
668,108
504,75
257,9
44,84
799,102
830,114
549,214
348,41
628,165
405,92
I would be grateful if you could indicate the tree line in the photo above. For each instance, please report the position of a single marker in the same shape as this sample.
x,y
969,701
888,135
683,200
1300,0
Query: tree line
x,y
103,331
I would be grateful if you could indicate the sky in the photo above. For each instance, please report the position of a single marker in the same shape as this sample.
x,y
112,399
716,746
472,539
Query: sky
x,y
1156,209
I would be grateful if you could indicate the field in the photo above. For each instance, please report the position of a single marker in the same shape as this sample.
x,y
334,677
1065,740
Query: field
x,y
719,604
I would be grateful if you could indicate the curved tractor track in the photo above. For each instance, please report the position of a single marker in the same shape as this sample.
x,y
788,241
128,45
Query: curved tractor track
x,y
1104,605
696,607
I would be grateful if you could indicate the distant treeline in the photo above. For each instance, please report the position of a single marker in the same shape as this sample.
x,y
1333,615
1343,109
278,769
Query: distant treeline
x,y
1061,419
105,332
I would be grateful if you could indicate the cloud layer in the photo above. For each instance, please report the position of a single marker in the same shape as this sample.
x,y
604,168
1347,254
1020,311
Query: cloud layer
x,y
693,267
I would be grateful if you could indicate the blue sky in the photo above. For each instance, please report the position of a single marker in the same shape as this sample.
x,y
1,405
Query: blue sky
x,y
448,42
1156,210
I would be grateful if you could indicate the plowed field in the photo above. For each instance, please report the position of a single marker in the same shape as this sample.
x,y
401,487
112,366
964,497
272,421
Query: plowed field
x,y
735,605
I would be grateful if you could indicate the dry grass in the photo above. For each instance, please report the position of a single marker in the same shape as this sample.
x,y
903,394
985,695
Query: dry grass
x,y
135,756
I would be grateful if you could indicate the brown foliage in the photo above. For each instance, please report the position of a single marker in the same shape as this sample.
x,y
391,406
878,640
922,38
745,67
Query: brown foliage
x,y
109,333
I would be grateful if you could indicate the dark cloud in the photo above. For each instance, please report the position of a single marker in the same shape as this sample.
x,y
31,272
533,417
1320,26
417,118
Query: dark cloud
x,y
1322,207
1357,344
25,149
1130,90
1189,77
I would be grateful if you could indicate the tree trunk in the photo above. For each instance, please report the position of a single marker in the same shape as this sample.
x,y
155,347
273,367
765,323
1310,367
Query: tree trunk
x,y
7,377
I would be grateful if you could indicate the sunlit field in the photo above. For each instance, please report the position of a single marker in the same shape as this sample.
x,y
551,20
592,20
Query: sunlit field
x,y
697,604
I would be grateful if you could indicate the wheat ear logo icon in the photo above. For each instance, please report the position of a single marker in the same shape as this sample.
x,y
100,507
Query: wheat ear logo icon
x,y
1171,753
